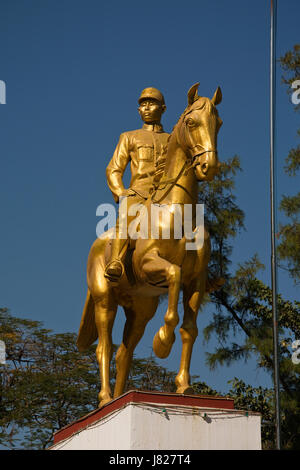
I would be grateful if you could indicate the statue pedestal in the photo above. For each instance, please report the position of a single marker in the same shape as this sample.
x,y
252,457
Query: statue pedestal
x,y
152,421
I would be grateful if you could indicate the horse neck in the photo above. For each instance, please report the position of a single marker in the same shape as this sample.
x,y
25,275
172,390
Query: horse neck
x,y
186,189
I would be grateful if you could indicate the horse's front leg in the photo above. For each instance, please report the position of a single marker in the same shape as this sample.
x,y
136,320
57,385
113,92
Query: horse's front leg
x,y
162,272
105,312
165,337
192,297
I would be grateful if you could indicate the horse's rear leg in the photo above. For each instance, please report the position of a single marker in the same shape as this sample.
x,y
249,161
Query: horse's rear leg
x,y
137,318
105,312
192,297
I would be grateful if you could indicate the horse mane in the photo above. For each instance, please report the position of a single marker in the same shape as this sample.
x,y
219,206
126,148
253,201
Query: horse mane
x,y
178,122
160,170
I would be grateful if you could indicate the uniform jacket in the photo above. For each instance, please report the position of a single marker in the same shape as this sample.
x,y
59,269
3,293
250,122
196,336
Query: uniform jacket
x,y
145,149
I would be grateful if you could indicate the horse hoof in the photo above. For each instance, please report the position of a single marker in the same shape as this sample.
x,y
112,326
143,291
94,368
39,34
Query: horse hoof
x,y
185,390
103,400
161,346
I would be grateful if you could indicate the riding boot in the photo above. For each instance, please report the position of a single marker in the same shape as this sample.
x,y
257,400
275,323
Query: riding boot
x,y
115,268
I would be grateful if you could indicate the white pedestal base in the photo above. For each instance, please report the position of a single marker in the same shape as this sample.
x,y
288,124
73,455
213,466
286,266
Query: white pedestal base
x,y
152,421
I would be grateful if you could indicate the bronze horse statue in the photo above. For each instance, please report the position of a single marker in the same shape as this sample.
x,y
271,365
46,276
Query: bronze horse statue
x,y
159,266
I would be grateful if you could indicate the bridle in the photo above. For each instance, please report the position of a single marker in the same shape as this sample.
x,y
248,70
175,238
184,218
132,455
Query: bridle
x,y
191,150
191,161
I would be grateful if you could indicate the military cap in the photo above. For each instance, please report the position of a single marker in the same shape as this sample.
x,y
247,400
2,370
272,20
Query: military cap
x,y
151,93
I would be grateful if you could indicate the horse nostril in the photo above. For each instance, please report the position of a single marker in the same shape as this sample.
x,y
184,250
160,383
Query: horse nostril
x,y
204,167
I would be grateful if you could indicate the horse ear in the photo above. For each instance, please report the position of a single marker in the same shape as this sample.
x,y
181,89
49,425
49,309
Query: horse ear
x,y
217,98
193,94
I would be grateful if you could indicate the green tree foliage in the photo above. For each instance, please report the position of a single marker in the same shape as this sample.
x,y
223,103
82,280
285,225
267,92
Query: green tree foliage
x,y
46,383
257,399
289,247
244,311
146,374
223,218
290,64
242,320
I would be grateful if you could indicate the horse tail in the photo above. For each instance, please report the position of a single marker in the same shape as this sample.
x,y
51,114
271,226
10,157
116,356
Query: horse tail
x,y
88,333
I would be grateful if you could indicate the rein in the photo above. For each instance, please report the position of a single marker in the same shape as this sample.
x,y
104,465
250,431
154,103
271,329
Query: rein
x,y
172,182
190,162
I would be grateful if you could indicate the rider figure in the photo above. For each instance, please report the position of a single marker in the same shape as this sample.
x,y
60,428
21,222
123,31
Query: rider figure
x,y
145,149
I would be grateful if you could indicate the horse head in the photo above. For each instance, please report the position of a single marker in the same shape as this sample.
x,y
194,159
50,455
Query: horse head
x,y
197,133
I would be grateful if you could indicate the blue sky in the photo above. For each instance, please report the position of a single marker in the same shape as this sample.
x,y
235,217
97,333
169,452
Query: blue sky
x,y
73,71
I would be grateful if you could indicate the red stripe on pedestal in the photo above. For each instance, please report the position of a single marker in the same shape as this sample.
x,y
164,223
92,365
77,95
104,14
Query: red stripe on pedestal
x,y
135,396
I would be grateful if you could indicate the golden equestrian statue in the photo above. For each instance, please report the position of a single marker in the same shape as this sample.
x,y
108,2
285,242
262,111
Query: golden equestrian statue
x,y
133,273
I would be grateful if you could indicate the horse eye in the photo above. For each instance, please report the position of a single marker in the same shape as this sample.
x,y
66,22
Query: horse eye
x,y
190,122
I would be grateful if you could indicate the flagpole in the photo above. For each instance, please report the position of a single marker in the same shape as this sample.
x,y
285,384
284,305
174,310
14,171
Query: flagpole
x,y
273,212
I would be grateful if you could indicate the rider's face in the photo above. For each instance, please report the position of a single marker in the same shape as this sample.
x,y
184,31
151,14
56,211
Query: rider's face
x,y
151,111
